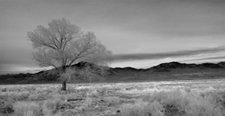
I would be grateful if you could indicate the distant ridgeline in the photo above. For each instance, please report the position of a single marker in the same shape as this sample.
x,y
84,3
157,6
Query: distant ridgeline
x,y
161,72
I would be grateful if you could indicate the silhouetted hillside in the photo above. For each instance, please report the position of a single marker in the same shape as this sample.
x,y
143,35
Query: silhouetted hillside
x,y
164,71
176,65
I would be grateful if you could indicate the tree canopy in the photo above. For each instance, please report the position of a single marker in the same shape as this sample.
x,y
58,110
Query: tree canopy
x,y
64,44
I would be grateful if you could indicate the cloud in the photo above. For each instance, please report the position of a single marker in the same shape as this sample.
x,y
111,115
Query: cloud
x,y
147,60
15,68
124,57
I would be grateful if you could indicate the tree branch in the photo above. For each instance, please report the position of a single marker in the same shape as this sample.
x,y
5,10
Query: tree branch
x,y
82,51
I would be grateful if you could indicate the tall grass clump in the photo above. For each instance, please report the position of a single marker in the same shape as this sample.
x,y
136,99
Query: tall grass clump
x,y
26,109
17,96
142,108
52,107
112,100
6,107
177,103
38,96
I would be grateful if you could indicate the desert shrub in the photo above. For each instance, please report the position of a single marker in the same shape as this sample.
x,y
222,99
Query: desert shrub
x,y
139,108
3,96
3,89
88,102
76,94
49,112
27,109
72,96
181,103
71,90
112,100
92,97
173,102
204,105
6,107
156,109
93,93
102,91
143,108
12,89
37,96
17,96
52,106
30,88
59,97
96,92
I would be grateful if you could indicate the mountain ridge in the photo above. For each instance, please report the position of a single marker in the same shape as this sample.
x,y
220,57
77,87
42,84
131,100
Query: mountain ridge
x,y
163,71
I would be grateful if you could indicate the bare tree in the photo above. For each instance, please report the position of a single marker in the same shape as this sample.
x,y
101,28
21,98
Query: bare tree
x,y
63,44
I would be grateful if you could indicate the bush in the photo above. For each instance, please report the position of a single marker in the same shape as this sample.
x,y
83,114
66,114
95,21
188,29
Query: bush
x,y
52,106
139,108
143,108
27,109
177,103
18,96
190,104
112,100
36,97
6,107
89,101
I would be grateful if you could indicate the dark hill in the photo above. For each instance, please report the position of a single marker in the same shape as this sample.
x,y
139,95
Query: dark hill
x,y
176,65
164,71
221,64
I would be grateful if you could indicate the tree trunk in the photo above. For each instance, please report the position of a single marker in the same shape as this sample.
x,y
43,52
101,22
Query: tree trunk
x,y
64,85
64,81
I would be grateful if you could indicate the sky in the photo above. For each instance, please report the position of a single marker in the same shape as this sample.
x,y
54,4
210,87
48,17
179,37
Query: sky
x,y
140,33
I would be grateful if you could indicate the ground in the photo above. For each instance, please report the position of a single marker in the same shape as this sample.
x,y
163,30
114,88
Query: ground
x,y
164,98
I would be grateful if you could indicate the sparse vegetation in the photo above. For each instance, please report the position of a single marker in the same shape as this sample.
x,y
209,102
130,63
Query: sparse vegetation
x,y
178,98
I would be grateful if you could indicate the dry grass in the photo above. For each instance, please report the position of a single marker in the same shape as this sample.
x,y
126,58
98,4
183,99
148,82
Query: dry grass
x,y
179,98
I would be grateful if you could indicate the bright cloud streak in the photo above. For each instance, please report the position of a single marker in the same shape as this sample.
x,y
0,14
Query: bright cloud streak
x,y
147,63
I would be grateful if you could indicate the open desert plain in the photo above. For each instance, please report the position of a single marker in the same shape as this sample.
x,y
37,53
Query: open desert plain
x,y
164,98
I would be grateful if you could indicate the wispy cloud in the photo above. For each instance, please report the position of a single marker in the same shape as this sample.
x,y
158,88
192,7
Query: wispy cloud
x,y
125,57
147,60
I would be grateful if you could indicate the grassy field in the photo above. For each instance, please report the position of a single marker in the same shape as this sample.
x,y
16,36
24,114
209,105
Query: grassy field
x,y
164,98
